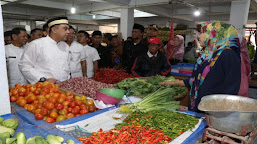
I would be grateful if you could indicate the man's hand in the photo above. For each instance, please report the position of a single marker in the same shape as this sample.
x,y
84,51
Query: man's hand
x,y
51,80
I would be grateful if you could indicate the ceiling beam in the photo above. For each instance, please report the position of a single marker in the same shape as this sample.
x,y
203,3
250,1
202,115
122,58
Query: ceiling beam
x,y
49,4
83,22
157,10
119,2
24,11
109,13
137,3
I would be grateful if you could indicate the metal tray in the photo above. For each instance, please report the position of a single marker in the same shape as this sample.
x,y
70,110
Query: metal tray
x,y
230,113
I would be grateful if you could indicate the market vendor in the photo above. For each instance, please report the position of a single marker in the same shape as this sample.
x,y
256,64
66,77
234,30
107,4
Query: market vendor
x,y
153,62
43,60
218,70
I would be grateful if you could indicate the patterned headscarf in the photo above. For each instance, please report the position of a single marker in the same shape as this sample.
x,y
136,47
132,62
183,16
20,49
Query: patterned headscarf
x,y
217,36
179,50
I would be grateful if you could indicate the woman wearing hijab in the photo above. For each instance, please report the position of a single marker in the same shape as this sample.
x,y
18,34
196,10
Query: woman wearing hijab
x,y
177,52
218,70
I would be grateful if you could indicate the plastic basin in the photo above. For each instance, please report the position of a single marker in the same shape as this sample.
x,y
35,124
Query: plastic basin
x,y
106,98
185,70
117,93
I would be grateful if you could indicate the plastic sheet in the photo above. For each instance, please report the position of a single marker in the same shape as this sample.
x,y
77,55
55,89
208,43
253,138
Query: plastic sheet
x,y
30,118
174,70
48,128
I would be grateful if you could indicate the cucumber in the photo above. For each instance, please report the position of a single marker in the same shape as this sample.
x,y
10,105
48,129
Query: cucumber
x,y
31,141
59,138
69,141
39,140
44,141
21,138
5,134
5,129
2,139
51,139
10,140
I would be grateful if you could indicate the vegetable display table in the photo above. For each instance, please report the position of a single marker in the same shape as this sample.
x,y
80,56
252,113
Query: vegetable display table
x,y
109,119
29,117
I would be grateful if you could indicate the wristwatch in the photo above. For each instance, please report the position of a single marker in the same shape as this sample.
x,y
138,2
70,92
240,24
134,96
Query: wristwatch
x,y
42,79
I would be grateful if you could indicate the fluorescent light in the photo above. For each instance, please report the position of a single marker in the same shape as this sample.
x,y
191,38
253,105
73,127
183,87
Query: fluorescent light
x,y
197,13
93,16
73,10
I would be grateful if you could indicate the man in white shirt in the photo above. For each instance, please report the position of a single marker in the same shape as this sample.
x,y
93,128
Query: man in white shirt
x,y
36,34
77,57
43,60
13,53
7,37
92,55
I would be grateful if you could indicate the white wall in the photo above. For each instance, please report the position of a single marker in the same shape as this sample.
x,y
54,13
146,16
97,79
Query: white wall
x,y
4,95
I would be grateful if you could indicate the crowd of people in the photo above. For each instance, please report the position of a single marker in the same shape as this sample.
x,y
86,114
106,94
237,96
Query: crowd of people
x,y
57,52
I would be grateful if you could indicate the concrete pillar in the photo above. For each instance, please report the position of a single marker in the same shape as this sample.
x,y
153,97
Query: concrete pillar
x,y
191,34
239,15
32,24
126,22
5,101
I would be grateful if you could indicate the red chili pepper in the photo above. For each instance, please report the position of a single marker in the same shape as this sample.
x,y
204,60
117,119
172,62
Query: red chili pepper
x,y
127,134
111,76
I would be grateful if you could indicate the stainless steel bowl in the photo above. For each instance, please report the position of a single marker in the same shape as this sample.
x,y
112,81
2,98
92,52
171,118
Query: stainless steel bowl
x,y
230,113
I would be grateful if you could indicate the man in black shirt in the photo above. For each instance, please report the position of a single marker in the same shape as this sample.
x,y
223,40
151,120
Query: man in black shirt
x,y
103,52
152,62
151,31
133,49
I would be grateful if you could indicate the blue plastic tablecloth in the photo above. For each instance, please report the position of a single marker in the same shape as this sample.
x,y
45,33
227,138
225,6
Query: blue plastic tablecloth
x,y
181,65
50,127
30,118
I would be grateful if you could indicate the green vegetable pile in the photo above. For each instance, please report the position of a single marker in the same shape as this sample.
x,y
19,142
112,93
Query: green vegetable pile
x,y
173,124
7,130
141,88
162,99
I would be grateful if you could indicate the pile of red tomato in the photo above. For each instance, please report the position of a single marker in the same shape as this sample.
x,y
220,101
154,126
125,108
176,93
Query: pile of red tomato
x,y
49,103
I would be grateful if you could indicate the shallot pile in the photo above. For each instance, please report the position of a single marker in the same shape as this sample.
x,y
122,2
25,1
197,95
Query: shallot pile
x,y
84,86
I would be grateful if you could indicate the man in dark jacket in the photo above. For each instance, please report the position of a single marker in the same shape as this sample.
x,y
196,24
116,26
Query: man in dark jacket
x,y
103,52
133,49
152,62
